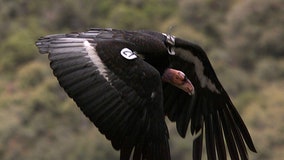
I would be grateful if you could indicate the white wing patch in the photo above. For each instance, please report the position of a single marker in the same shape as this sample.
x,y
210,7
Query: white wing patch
x,y
199,69
92,54
128,54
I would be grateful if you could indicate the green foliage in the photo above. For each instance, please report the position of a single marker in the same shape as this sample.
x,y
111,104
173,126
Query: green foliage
x,y
17,50
32,74
255,30
140,15
269,69
205,15
264,115
129,18
38,120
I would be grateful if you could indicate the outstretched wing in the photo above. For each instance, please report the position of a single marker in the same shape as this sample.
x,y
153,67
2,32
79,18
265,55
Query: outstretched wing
x,y
209,111
119,92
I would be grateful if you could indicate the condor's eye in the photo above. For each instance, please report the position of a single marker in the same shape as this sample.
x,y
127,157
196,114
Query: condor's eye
x,y
185,78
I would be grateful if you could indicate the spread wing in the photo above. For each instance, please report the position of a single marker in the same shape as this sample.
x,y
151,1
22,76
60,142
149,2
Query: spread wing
x,y
210,112
120,94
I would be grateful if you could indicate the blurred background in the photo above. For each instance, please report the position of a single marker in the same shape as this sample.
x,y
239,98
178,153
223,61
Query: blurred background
x,y
243,39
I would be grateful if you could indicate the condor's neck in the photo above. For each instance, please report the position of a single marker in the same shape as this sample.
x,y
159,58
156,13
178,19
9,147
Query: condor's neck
x,y
161,63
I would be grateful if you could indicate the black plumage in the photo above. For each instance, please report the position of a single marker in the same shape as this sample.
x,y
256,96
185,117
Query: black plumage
x,y
117,78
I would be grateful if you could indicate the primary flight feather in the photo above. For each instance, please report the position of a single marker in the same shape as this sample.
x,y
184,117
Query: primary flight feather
x,y
125,82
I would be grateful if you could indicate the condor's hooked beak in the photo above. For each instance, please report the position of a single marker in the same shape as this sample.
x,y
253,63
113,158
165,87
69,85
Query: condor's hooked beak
x,y
178,79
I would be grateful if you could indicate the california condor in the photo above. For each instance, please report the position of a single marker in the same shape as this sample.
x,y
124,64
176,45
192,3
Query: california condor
x,y
125,82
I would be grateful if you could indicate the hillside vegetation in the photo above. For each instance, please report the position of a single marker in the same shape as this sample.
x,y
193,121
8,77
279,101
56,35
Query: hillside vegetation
x,y
243,39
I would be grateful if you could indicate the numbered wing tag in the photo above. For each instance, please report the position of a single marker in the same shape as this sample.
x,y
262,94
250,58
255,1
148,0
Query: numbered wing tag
x,y
128,54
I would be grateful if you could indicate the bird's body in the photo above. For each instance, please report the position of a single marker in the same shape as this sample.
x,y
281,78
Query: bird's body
x,y
125,82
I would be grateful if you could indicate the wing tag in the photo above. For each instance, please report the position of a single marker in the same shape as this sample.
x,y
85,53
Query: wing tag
x,y
128,54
